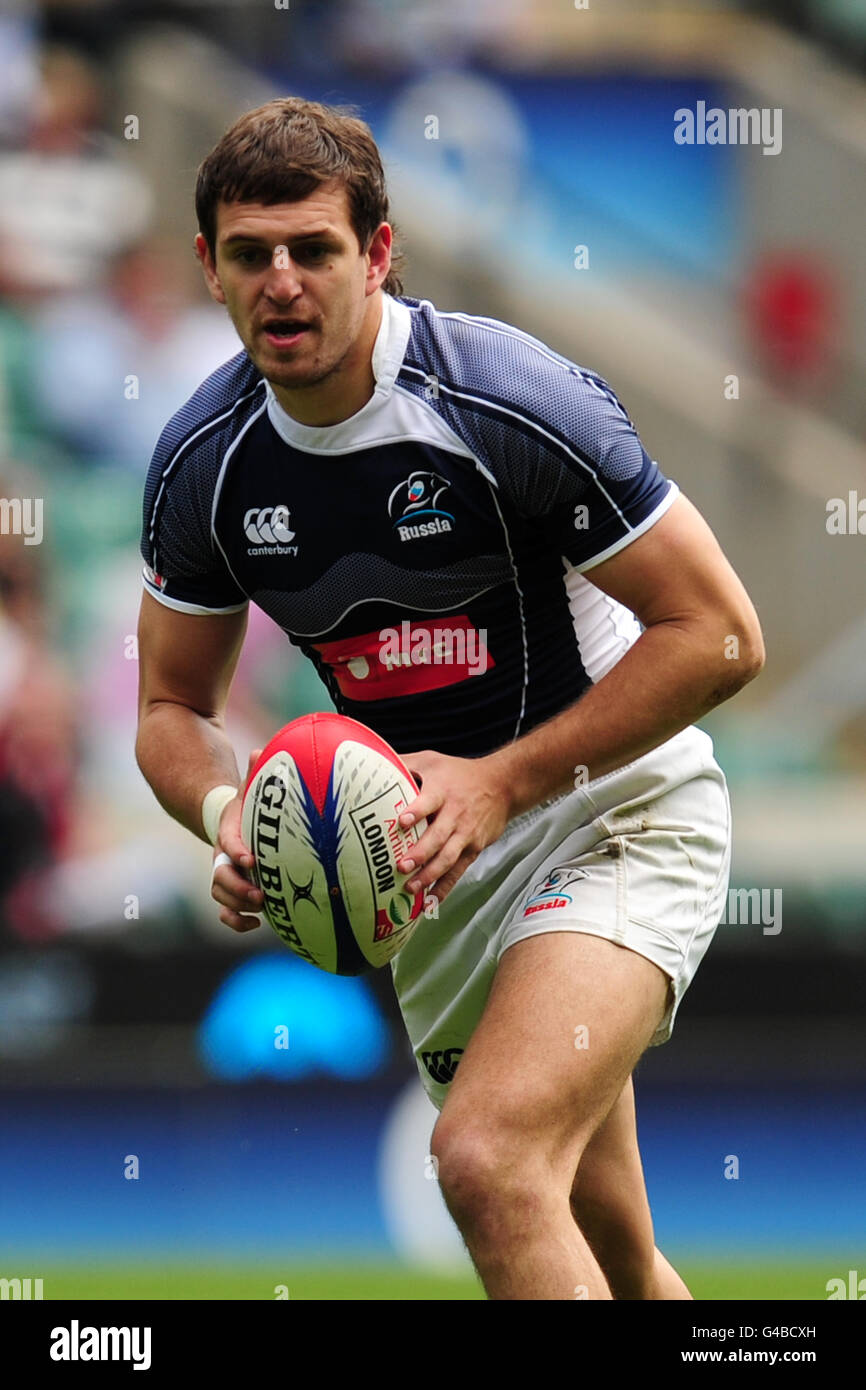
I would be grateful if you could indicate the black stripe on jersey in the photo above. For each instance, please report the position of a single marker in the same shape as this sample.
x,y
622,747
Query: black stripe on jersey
x,y
521,605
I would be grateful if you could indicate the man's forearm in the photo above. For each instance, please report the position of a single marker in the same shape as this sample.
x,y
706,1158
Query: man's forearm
x,y
671,676
182,755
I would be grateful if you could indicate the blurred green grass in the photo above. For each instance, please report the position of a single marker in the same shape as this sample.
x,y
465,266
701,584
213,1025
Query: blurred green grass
x,y
360,1281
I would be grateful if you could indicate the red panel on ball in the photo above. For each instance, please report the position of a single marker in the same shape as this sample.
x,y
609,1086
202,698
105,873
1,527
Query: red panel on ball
x,y
312,742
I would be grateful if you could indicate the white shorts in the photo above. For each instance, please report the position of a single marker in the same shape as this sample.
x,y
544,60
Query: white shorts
x,y
640,857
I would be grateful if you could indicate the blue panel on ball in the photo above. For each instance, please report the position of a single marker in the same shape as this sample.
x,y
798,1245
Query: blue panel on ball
x,y
326,833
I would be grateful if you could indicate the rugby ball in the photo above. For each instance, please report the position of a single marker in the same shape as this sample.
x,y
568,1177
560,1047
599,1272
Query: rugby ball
x,y
320,816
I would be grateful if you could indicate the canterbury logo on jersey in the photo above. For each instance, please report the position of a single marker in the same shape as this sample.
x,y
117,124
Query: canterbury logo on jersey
x,y
442,1065
268,530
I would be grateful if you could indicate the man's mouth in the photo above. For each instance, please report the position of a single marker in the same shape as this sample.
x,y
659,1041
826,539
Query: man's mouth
x,y
285,332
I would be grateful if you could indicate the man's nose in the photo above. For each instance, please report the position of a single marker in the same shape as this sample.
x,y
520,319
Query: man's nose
x,y
282,282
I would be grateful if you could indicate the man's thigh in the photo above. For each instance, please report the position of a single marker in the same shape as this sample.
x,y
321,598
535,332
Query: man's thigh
x,y
567,1017
631,866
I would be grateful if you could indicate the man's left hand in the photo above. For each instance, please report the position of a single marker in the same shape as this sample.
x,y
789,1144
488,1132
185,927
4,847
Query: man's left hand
x,y
466,804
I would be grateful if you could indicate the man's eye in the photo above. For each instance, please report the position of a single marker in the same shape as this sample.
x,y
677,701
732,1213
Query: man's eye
x,y
251,255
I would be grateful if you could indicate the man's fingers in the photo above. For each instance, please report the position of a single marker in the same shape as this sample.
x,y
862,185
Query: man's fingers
x,y
239,922
229,838
230,841
442,887
237,894
450,855
236,910
424,807
437,834
231,888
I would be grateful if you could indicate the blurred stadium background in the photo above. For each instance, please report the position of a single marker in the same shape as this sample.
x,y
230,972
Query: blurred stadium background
x,y
137,1033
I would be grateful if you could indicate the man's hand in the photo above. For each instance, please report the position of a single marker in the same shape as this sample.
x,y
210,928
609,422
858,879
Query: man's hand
x,y
466,804
238,897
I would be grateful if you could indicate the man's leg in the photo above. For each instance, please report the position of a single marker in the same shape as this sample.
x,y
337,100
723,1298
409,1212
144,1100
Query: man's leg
x,y
567,1018
610,1205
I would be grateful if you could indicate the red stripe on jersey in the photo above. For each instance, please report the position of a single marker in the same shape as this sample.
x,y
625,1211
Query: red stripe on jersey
x,y
407,660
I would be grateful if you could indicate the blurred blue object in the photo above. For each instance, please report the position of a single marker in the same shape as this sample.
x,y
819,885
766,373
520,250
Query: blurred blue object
x,y
279,1018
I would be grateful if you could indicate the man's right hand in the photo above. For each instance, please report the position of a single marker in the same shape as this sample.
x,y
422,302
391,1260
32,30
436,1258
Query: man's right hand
x,y
237,896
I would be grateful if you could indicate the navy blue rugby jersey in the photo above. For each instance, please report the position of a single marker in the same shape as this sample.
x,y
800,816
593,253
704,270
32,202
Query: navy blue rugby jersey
x,y
427,554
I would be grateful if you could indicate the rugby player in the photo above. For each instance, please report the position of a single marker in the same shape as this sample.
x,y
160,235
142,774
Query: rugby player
x,y
369,465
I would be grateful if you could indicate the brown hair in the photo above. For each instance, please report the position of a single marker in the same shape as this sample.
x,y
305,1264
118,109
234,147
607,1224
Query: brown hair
x,y
282,151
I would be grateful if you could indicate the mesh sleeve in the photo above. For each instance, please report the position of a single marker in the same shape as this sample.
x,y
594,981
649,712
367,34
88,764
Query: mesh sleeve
x,y
553,434
593,488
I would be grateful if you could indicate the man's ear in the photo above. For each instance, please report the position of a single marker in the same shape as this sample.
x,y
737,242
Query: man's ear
x,y
379,257
202,251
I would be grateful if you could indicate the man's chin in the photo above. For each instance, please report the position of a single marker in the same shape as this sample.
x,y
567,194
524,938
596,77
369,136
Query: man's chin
x,y
282,373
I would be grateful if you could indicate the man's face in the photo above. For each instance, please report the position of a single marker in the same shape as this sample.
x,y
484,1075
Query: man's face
x,y
295,282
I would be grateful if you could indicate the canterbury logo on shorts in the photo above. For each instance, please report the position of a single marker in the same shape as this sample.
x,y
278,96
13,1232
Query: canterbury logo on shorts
x,y
442,1065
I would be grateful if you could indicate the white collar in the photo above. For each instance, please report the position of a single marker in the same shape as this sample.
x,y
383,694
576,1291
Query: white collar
x,y
389,350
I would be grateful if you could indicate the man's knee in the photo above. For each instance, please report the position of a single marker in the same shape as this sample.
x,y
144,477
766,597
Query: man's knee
x,y
500,1172
485,1179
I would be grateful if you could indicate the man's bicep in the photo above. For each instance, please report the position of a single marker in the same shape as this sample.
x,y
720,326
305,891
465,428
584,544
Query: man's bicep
x,y
676,570
186,658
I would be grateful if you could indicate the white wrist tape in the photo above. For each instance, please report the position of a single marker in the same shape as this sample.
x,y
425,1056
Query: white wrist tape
x,y
212,808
